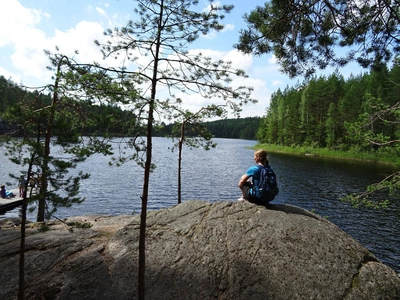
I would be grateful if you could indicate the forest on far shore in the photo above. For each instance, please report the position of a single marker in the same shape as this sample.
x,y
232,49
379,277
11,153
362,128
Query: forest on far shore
x,y
243,128
360,113
10,93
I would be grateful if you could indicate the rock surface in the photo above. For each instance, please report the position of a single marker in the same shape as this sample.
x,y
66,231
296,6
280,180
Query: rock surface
x,y
196,250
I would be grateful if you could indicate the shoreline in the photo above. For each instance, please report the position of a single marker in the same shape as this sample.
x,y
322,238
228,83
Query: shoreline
x,y
329,154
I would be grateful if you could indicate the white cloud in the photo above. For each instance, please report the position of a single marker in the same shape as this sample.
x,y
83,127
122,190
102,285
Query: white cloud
x,y
26,43
208,5
29,56
210,36
101,11
239,60
16,78
273,60
228,27
21,43
18,24
80,38
261,93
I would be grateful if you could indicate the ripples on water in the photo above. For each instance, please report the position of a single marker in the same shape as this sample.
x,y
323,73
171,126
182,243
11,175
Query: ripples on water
x,y
309,182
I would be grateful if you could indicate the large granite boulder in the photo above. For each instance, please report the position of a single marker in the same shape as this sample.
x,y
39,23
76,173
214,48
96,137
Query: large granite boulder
x,y
196,250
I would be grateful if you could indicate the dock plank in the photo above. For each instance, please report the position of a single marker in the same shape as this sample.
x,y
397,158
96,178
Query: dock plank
x,y
10,203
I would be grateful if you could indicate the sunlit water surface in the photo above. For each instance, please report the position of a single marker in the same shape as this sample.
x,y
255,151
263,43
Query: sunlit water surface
x,y
309,182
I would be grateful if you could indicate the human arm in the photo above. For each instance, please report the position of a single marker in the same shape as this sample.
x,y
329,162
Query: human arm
x,y
243,180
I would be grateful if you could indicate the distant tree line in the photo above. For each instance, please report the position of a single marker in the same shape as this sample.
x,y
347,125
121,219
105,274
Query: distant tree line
x,y
245,128
107,114
106,119
336,113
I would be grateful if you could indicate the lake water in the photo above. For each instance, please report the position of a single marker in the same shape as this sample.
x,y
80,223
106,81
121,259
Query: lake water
x,y
309,182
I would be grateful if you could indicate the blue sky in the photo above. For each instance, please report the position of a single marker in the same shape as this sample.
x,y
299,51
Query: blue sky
x,y
30,26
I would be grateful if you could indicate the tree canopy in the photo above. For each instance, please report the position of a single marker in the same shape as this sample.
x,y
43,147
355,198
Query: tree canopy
x,y
305,35
336,113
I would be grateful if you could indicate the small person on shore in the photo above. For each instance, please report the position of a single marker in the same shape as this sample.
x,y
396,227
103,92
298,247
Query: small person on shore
x,y
4,193
21,185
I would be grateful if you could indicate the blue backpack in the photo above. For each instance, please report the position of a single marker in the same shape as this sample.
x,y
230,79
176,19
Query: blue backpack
x,y
267,188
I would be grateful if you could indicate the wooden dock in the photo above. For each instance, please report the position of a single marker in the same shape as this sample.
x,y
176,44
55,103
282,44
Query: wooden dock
x,y
7,204
10,203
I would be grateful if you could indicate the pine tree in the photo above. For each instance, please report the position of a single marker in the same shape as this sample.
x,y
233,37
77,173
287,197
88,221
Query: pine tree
x,y
161,35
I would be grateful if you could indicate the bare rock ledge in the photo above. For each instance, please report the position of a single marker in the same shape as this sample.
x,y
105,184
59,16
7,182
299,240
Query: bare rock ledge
x,y
196,250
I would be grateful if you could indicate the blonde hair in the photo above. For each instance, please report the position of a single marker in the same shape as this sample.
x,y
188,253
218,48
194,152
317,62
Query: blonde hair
x,y
262,154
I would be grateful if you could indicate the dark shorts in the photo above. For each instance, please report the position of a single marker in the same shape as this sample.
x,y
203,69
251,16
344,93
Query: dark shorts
x,y
246,194
246,190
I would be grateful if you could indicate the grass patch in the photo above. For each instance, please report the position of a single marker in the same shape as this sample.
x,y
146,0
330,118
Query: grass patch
x,y
378,157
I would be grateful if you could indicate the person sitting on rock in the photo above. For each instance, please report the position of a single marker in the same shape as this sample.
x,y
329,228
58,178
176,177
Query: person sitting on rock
x,y
4,193
250,182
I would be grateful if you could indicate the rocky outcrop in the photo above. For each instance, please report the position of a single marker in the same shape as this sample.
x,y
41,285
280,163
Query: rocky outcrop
x,y
197,250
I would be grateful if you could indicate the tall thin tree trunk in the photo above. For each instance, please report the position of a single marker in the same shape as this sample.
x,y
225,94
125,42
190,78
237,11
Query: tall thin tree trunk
x,y
143,214
181,140
45,167
145,195
21,287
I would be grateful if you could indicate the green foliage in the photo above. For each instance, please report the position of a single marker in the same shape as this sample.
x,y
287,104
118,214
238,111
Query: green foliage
x,y
43,227
317,115
385,158
102,119
360,117
243,128
82,225
306,35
